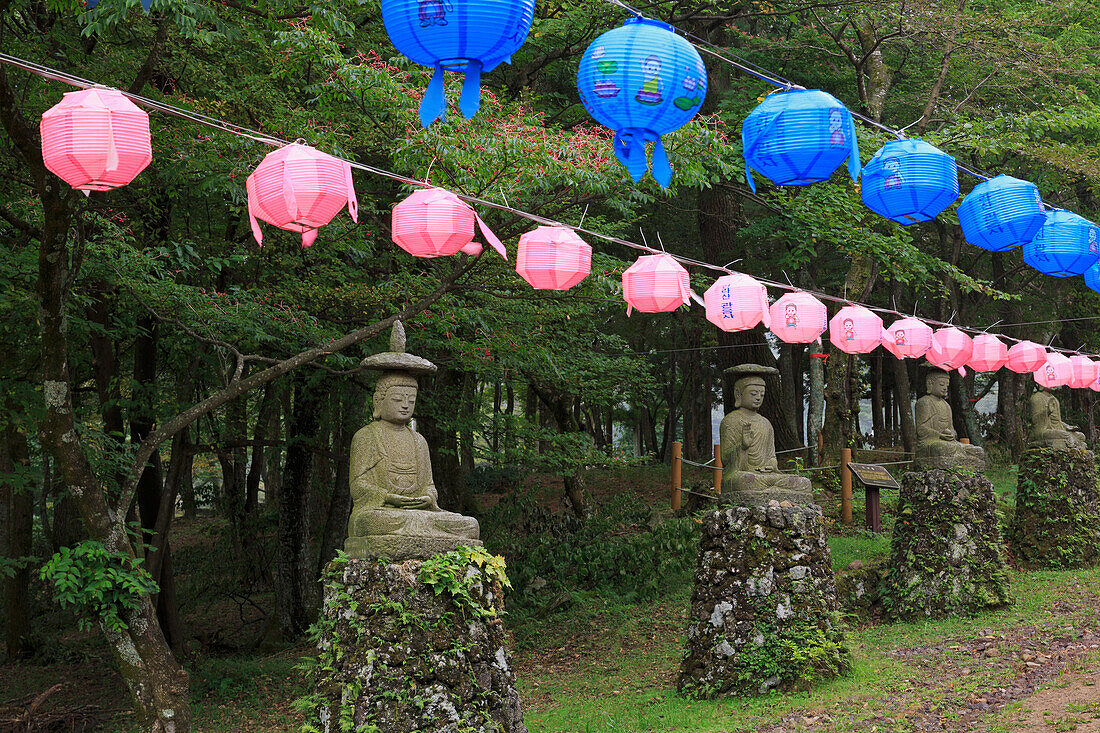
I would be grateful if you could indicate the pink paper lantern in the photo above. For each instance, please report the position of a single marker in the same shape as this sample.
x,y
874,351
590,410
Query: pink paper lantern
x,y
1083,371
798,318
989,355
299,188
950,349
553,258
1094,385
1056,372
1025,357
907,338
96,139
433,222
656,284
855,330
736,303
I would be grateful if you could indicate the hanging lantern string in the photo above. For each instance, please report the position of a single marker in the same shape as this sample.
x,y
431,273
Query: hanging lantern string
x,y
218,124
742,64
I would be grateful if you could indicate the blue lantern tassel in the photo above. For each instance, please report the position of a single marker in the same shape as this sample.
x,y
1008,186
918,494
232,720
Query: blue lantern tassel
x,y
470,100
630,150
662,171
433,106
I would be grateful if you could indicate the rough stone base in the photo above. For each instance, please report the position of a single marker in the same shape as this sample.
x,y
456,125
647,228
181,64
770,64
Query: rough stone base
x,y
400,547
764,610
946,555
1057,519
395,655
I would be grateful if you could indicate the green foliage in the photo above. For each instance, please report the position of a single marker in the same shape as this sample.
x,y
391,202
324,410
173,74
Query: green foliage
x,y
449,572
103,586
795,651
619,550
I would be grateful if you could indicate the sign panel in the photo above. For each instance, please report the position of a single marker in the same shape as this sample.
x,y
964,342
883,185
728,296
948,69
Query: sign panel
x,y
870,474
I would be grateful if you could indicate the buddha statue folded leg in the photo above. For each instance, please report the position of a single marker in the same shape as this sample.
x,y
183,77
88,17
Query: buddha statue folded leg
x,y
752,488
946,454
403,534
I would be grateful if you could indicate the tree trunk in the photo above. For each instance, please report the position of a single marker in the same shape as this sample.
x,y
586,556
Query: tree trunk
x,y
903,397
878,415
817,402
16,529
294,578
336,523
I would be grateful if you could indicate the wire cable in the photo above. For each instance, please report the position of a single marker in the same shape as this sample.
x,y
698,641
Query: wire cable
x,y
219,124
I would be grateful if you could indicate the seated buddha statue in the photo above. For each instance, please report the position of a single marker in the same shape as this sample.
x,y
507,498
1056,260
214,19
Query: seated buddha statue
x,y
395,513
750,472
937,443
1047,428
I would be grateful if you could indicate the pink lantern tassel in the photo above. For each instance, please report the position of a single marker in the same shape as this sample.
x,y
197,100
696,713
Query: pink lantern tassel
x,y
491,238
353,202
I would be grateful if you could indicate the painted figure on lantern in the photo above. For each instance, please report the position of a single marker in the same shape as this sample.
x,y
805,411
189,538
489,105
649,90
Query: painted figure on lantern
x,y
899,337
836,128
650,93
893,169
434,12
849,329
790,313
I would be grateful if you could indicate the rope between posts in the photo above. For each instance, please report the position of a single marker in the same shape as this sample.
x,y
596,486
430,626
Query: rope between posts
x,y
708,464
880,450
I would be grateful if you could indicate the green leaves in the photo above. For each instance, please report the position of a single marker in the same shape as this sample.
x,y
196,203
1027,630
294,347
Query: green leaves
x,y
104,586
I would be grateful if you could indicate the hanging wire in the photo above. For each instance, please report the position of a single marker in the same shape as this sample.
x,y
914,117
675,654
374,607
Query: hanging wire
x,y
219,124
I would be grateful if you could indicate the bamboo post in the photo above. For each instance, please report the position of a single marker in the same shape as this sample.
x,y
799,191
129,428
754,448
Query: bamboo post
x,y
717,468
676,475
845,486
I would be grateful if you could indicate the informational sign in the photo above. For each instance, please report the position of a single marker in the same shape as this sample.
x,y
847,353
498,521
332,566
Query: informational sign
x,y
872,475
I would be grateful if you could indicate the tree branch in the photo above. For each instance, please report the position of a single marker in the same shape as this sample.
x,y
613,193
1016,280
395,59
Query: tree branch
x,y
238,388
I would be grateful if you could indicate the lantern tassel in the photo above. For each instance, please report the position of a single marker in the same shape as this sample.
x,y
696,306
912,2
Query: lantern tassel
x,y
309,236
434,105
353,202
256,232
470,100
748,177
853,156
630,150
491,238
661,169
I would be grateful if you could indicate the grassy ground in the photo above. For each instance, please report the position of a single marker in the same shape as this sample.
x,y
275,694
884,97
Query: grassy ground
x,y
602,663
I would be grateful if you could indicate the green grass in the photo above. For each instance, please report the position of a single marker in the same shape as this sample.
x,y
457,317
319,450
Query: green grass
x,y
619,671
865,547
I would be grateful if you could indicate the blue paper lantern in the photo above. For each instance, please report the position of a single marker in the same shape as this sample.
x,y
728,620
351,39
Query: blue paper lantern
x,y
799,137
642,81
1002,213
1092,277
463,36
1066,245
908,181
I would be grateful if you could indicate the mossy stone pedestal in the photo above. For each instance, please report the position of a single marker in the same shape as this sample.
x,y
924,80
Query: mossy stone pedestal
x,y
395,655
946,555
764,610
1057,519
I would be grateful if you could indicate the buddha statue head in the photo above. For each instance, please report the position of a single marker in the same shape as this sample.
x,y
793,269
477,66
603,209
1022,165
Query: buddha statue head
x,y
748,392
937,382
395,397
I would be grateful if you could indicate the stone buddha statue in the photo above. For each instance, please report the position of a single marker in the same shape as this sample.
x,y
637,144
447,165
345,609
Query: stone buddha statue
x,y
394,511
750,473
1047,428
937,443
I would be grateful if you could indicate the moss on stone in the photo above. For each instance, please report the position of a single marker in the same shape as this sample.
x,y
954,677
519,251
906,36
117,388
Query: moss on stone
x,y
764,614
399,655
1056,524
946,554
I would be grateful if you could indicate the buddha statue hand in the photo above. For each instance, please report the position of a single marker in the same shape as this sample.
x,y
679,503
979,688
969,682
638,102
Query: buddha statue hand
x,y
412,502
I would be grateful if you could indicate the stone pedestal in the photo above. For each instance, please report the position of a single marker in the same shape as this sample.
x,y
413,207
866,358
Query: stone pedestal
x,y
1057,519
946,553
764,610
394,654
